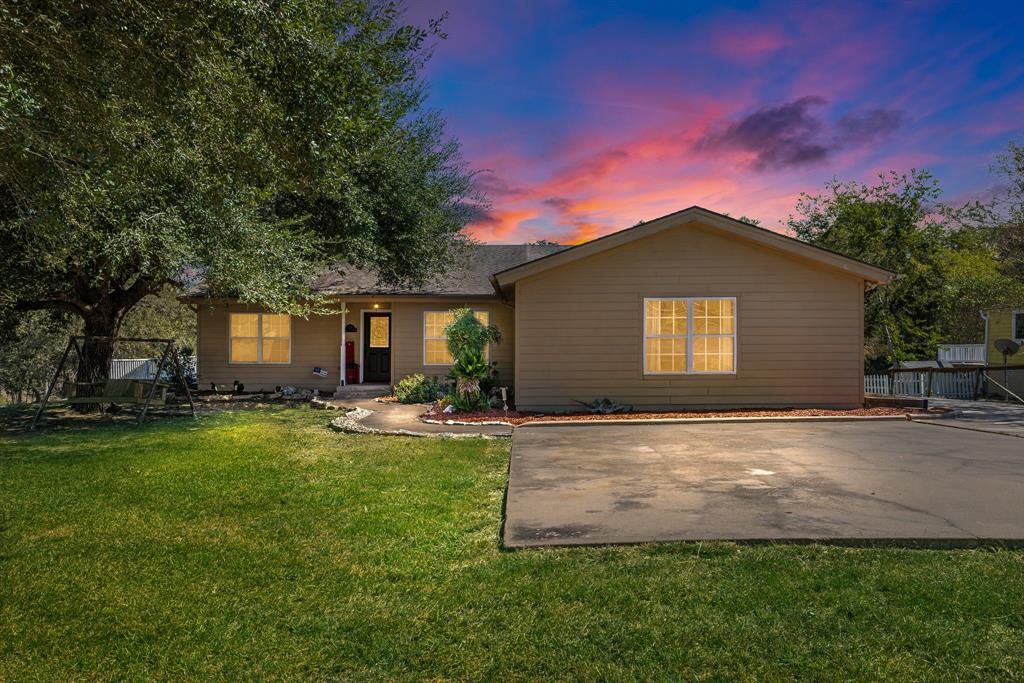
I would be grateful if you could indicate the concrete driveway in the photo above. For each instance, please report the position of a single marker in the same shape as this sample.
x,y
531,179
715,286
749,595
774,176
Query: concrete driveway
x,y
986,416
842,481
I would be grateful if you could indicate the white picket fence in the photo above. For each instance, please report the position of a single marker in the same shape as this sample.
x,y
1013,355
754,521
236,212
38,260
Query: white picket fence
x,y
957,384
145,368
876,384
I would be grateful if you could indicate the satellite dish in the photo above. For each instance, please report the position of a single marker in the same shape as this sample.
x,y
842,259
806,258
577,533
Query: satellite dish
x,y
1007,347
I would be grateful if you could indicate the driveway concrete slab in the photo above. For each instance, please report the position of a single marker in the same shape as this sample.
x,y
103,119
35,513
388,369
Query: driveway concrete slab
x,y
851,482
986,416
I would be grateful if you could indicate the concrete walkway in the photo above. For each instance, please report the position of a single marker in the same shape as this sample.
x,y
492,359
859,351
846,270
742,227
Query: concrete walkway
x,y
902,482
399,416
989,416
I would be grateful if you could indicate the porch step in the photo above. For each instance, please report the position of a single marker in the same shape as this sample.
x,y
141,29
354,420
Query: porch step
x,y
362,390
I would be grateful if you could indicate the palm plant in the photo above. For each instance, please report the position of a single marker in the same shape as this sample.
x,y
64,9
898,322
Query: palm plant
x,y
467,339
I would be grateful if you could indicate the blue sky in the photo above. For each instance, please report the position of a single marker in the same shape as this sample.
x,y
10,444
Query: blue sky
x,y
585,117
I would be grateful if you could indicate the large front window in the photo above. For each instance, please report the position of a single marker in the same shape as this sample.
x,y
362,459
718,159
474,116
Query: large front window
x,y
689,335
260,338
435,343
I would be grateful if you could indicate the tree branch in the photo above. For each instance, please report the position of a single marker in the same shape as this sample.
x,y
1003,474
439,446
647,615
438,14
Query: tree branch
x,y
51,304
131,295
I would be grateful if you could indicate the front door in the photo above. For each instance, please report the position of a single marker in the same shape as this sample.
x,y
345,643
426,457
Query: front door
x,y
377,348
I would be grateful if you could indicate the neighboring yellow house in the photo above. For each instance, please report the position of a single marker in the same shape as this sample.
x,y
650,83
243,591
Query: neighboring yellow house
x,y
1005,323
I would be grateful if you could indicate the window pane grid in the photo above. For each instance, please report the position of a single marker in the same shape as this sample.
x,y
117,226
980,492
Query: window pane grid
x,y
259,338
435,342
689,335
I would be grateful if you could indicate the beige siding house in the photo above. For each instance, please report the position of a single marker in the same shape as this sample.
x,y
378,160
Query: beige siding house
x,y
694,309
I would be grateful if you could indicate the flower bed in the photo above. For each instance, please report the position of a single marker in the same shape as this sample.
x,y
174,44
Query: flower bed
x,y
517,418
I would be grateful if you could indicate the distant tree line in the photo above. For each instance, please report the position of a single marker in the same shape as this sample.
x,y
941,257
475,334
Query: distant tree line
x,y
952,261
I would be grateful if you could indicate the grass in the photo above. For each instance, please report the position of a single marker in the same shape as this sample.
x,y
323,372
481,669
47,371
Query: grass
x,y
261,545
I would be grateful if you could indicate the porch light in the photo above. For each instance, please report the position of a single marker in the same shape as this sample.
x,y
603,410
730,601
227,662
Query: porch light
x,y
376,305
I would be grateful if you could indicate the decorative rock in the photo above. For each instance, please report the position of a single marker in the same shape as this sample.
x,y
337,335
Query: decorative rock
x,y
351,423
319,404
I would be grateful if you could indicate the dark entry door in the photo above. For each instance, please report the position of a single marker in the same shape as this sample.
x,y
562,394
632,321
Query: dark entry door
x,y
377,348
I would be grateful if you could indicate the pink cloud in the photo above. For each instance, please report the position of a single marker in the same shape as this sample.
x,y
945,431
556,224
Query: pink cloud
x,y
747,43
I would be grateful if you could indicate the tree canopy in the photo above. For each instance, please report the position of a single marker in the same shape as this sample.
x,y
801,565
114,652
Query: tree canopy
x,y
952,262
253,141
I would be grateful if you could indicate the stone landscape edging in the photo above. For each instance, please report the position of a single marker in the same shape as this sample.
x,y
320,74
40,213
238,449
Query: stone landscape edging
x,y
351,423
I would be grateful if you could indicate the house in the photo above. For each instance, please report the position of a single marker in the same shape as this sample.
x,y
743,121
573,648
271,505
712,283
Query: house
x,y
694,309
1005,323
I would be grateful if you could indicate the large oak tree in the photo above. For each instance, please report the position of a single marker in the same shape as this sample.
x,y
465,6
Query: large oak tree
x,y
251,141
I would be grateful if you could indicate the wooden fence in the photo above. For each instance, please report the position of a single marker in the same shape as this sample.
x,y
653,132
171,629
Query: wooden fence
x,y
964,383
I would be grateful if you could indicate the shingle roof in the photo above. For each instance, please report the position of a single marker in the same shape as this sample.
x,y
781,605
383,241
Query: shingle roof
x,y
470,277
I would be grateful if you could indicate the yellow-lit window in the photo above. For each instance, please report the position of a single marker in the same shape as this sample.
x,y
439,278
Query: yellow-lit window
x,y
665,332
689,335
435,343
260,338
380,332
714,335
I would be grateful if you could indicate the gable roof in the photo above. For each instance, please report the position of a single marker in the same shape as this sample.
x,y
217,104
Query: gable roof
x,y
730,226
471,276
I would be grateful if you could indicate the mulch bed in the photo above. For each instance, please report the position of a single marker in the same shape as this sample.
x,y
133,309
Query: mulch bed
x,y
518,418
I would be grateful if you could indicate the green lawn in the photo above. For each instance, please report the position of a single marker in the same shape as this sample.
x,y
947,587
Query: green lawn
x,y
262,545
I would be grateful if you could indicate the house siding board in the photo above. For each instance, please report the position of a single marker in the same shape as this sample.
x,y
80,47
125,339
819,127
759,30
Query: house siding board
x,y
1000,326
579,327
316,342
407,330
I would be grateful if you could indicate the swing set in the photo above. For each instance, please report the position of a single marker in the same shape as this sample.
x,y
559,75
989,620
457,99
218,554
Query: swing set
x,y
142,392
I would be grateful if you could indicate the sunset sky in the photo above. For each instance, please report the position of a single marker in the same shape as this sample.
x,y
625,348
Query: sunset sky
x,y
589,116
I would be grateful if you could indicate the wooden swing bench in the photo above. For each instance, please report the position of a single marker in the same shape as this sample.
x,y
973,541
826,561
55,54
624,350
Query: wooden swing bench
x,y
144,393
118,391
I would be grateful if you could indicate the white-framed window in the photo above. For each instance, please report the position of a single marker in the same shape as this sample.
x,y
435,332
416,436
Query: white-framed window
x,y
689,335
1017,324
264,338
435,343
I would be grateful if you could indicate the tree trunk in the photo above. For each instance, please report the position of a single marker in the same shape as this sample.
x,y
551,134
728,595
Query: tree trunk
x,y
97,352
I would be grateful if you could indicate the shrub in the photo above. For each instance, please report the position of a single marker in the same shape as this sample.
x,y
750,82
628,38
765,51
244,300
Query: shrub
x,y
418,389
605,406
470,401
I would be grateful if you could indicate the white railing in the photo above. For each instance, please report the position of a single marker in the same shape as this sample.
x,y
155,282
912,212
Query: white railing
x,y
145,368
962,353
943,383
133,368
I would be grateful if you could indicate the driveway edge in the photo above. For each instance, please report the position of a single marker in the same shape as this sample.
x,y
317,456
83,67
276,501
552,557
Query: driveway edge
x,y
910,417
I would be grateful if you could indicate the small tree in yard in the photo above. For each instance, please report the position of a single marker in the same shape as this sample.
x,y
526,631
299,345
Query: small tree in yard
x,y
251,142
467,340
